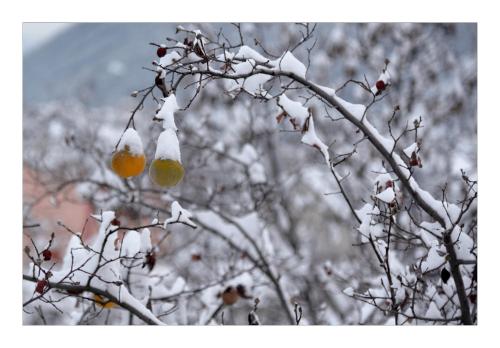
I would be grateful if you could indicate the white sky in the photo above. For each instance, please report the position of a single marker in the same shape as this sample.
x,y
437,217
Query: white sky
x,y
35,34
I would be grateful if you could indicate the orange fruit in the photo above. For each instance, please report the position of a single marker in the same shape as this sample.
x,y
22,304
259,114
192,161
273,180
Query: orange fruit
x,y
103,302
126,164
166,172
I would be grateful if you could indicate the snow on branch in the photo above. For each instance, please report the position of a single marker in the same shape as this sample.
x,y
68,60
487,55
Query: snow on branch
x,y
311,138
179,215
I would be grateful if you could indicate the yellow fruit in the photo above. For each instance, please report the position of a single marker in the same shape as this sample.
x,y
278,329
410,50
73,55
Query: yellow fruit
x,y
166,172
102,302
126,164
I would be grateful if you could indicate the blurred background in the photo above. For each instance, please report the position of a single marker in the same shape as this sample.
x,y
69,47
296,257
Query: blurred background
x,y
77,81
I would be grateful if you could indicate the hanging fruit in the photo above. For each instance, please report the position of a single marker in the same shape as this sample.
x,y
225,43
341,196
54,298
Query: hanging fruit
x,y
166,169
129,159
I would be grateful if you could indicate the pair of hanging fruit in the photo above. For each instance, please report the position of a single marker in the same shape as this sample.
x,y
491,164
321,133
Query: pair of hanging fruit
x,y
166,169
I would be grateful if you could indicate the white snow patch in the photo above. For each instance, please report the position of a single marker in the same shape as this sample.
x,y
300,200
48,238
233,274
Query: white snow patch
x,y
168,146
366,228
246,52
387,195
434,260
252,84
357,110
288,63
132,140
294,109
170,59
167,111
348,291
131,243
433,312
311,138
463,244
145,245
410,149
179,215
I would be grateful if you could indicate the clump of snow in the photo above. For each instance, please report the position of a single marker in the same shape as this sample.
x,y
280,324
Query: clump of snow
x,y
257,173
131,140
252,84
400,291
387,143
463,244
166,113
179,215
434,259
297,112
248,154
311,138
410,149
145,242
387,195
167,146
256,170
288,63
246,52
368,226
169,59
226,55
433,312
348,291
131,243
357,110
267,244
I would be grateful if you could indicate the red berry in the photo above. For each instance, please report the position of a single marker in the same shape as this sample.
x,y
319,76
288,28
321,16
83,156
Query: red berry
x,y
115,222
380,85
388,184
414,160
161,51
47,254
40,286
